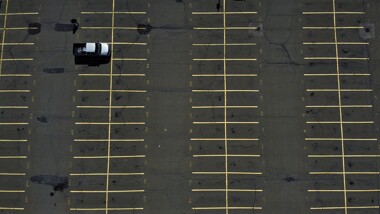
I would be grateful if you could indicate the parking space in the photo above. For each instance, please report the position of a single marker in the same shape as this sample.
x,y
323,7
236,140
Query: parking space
x,y
225,136
108,150
340,129
16,68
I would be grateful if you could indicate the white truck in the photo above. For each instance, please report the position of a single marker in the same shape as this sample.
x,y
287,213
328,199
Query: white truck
x,y
91,49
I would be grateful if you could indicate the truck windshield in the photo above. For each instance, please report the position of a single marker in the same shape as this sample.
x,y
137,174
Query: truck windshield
x,y
98,48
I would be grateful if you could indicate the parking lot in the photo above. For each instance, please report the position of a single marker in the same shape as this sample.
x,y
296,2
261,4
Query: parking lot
x,y
224,106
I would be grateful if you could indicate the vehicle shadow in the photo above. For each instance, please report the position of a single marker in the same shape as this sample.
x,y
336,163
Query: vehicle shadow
x,y
91,61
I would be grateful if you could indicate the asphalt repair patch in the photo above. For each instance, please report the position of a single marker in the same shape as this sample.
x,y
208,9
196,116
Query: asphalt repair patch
x,y
58,183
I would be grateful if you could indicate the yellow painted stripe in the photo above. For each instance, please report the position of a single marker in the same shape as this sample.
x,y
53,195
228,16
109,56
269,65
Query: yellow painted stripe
x,y
346,156
111,157
13,140
12,157
221,44
230,173
338,122
228,208
11,174
222,139
221,13
339,139
341,190
354,74
15,75
219,91
119,12
106,140
334,58
114,75
12,191
112,123
108,209
104,174
237,59
338,43
14,91
119,91
113,107
2,124
227,75
10,107
343,106
103,191
223,155
344,90
322,13
211,107
222,122
347,173
18,59
12,208
129,59
332,28
229,190
341,208
227,28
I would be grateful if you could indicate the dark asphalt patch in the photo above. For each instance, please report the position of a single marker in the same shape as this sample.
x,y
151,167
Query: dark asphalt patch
x,y
63,27
54,70
34,28
58,183
144,29
42,119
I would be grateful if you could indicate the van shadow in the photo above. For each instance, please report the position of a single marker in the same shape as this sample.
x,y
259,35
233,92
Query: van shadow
x,y
91,61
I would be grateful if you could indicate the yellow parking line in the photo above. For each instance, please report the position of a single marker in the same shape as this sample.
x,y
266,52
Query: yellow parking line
x,y
227,208
12,157
11,208
230,59
222,122
221,44
18,28
10,107
229,172
106,209
212,107
333,43
2,124
354,74
341,190
113,107
109,140
341,208
340,139
229,190
222,139
320,13
111,157
120,91
15,75
338,122
219,91
14,91
227,75
336,90
11,191
129,59
3,36
128,43
106,140
114,75
113,123
227,28
14,14
120,12
104,174
334,58
18,43
347,173
343,106
103,191
224,155
13,140
11,174
332,28
18,59
221,13
110,28
346,156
